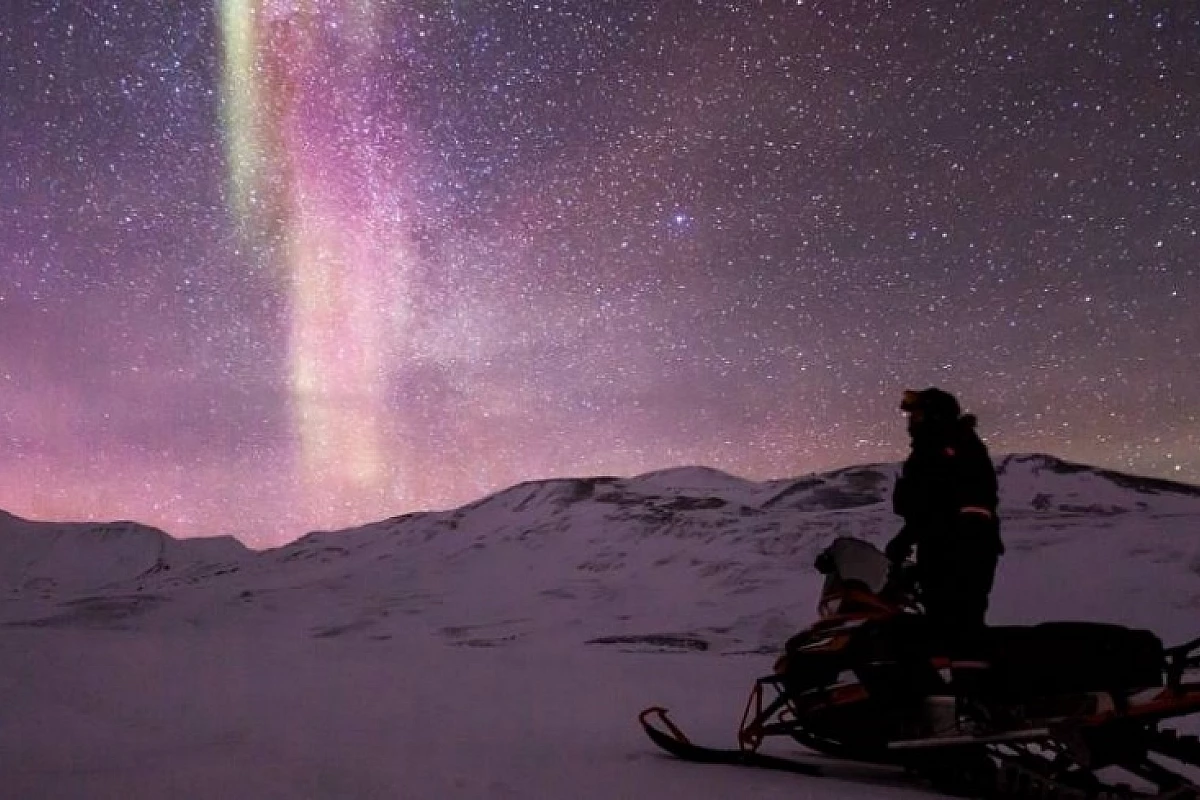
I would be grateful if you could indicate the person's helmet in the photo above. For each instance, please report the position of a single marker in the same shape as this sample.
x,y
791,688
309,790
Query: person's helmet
x,y
933,403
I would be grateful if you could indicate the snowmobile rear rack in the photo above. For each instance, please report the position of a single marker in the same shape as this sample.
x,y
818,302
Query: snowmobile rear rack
x,y
1180,660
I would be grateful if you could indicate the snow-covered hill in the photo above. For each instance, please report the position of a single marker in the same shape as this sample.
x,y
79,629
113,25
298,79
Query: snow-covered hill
x,y
60,558
690,555
454,652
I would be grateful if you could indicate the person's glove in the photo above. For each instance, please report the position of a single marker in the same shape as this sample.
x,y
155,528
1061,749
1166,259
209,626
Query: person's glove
x,y
899,548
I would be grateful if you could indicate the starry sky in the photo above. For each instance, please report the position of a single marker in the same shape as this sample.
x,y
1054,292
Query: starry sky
x,y
269,266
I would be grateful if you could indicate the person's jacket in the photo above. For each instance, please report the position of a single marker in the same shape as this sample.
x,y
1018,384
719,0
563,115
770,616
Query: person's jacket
x,y
949,472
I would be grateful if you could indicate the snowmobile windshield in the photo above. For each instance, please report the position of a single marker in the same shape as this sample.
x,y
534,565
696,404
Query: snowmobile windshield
x,y
851,562
850,559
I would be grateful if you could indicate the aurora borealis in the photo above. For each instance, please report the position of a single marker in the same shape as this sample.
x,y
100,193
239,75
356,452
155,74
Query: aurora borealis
x,y
305,163
268,266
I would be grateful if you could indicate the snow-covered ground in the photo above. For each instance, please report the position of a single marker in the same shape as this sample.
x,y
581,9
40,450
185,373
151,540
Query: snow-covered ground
x,y
503,649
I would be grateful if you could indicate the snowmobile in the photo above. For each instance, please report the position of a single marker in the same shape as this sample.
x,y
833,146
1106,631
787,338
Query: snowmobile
x,y
1059,710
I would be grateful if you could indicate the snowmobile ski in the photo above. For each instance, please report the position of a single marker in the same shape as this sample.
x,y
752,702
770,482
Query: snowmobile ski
x,y
677,744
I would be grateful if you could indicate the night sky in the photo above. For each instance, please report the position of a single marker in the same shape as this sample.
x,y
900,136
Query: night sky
x,y
268,266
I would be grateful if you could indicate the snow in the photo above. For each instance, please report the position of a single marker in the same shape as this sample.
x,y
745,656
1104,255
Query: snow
x,y
501,650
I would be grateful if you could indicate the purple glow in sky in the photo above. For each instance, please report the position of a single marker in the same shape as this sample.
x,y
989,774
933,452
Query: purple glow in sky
x,y
272,266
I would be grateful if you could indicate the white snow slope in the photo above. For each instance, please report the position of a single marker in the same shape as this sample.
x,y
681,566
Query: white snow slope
x,y
502,650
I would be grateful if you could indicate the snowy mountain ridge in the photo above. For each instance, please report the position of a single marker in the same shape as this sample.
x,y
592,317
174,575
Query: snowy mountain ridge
x,y
724,563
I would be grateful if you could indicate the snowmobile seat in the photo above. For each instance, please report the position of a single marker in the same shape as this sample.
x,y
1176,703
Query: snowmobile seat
x,y
1067,657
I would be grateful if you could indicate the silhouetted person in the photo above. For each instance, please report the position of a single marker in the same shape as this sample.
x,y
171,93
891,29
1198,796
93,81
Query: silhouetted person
x,y
947,495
